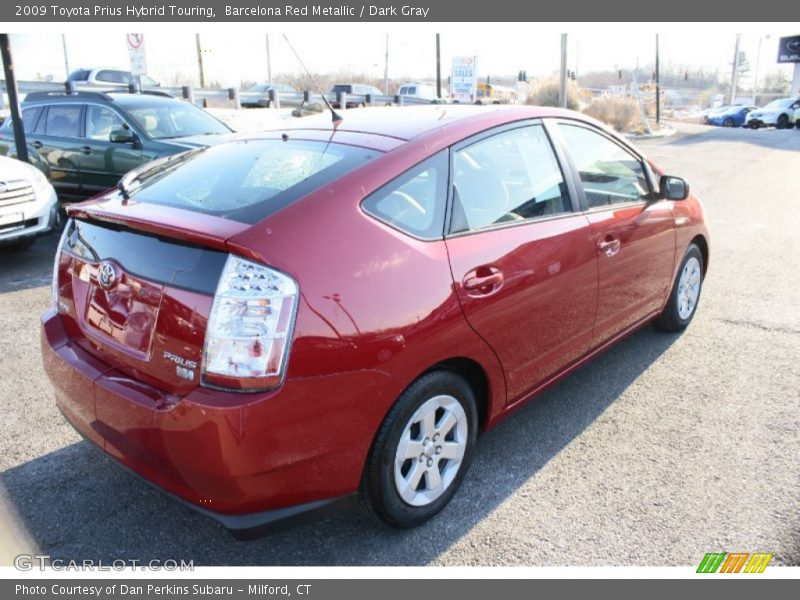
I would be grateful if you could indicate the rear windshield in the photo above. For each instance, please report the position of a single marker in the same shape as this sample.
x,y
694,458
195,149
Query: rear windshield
x,y
248,180
341,87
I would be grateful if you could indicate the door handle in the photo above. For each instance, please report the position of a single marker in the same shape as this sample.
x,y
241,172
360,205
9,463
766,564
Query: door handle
x,y
483,281
37,144
610,246
86,150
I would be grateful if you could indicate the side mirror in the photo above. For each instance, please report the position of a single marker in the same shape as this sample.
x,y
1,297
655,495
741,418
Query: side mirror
x,y
122,136
674,188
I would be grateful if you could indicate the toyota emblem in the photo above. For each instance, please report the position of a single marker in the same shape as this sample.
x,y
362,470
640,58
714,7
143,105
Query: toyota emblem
x,y
106,275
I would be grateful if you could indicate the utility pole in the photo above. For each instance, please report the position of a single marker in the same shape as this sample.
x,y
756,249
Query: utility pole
x,y
13,98
66,60
758,62
200,60
735,73
269,63
562,90
658,86
438,69
386,68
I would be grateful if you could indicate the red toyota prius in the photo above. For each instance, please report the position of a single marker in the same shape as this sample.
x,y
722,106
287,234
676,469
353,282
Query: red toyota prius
x,y
287,320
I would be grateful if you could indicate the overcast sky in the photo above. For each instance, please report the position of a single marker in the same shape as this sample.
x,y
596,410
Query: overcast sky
x,y
234,53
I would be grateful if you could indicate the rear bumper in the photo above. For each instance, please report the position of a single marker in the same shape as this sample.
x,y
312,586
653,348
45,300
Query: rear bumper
x,y
250,462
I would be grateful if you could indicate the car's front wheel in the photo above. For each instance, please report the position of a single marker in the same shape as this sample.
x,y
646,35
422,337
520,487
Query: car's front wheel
x,y
685,295
422,450
728,122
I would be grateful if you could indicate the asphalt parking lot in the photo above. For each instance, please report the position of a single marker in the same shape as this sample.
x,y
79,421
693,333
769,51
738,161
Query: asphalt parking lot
x,y
664,448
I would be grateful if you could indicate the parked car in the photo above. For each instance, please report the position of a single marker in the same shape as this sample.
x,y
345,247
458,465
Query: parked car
x,y
109,78
28,204
88,140
268,326
707,114
257,96
780,113
418,91
356,93
733,117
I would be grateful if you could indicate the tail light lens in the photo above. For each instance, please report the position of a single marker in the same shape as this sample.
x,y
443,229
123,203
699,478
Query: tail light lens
x,y
56,263
249,329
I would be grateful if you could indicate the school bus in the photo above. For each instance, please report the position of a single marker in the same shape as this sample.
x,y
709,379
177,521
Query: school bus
x,y
489,93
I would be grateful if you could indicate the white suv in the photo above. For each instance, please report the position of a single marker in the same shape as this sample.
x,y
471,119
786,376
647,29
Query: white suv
x,y
782,113
28,203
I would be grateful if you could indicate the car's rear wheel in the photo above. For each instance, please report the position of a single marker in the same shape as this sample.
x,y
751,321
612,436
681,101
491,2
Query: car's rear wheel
x,y
727,122
422,451
782,122
685,295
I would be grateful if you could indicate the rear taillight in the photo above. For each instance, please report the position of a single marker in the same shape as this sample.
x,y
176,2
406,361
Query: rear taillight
x,y
56,262
249,329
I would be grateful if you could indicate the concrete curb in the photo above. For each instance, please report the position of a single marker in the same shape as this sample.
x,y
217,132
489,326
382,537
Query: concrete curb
x,y
664,132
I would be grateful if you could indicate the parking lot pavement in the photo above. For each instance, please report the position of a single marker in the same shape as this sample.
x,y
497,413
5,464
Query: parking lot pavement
x,y
664,448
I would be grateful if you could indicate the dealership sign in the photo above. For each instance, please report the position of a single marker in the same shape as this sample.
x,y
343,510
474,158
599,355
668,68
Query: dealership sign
x,y
136,54
464,78
789,49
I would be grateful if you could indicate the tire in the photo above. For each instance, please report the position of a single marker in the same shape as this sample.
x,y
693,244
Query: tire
x,y
782,122
447,399
684,297
727,122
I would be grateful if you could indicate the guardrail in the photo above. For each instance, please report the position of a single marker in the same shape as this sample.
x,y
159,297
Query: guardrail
x,y
230,97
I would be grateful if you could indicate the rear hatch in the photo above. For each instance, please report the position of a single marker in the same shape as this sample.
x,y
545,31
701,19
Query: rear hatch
x,y
138,297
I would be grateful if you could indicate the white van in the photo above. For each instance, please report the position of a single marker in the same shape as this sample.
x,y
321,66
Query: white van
x,y
419,91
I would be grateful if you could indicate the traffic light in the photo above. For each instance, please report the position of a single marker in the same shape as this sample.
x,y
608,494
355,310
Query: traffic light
x,y
686,76
620,73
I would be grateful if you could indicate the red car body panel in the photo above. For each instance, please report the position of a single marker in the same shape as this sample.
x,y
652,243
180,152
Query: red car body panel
x,y
377,309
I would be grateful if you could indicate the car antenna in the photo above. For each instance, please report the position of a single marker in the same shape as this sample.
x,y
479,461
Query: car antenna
x,y
335,117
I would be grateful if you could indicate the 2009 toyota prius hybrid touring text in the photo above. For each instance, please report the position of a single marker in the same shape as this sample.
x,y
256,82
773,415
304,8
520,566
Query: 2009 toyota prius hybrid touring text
x,y
285,320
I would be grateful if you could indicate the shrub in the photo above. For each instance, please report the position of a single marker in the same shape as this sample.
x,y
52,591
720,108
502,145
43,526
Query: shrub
x,y
545,93
620,113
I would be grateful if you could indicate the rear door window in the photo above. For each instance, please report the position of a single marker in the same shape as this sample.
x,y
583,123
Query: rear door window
x,y
414,202
507,178
63,121
112,76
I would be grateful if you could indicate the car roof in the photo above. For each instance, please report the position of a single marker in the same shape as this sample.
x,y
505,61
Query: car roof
x,y
409,122
121,98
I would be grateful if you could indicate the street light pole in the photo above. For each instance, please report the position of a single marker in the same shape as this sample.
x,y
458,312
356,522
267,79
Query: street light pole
x,y
658,86
13,98
758,62
66,60
735,73
386,68
200,60
269,63
562,89
438,69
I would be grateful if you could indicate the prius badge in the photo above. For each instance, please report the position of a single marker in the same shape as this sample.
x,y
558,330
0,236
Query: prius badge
x,y
184,367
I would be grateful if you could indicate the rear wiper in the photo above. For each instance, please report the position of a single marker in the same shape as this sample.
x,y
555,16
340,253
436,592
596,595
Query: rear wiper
x,y
126,184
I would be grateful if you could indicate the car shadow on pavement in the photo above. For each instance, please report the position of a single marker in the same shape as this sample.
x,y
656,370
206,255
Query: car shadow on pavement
x,y
22,269
771,138
76,504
